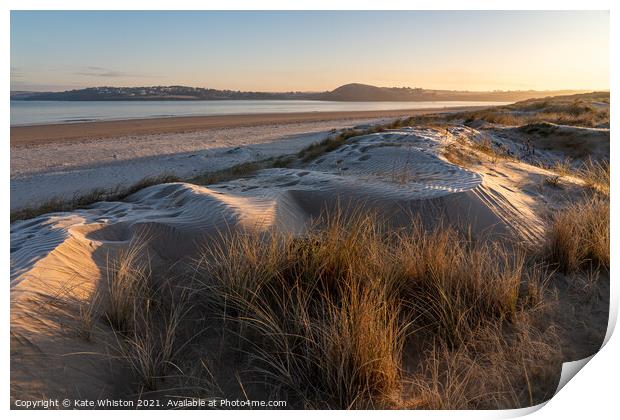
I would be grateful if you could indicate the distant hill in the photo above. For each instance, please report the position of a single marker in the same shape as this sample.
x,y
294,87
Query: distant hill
x,y
22,94
360,92
153,93
346,93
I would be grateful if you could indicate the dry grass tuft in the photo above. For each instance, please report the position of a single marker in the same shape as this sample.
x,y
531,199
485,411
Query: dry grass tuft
x,y
331,143
596,176
237,171
316,313
88,314
463,152
128,287
494,153
563,167
144,314
457,154
324,318
491,370
578,236
453,284
154,344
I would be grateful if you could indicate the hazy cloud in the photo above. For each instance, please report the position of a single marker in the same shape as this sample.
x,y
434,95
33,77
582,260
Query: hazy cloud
x,y
94,71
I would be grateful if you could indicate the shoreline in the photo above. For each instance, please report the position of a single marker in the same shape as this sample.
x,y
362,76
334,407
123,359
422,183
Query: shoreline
x,y
40,134
60,161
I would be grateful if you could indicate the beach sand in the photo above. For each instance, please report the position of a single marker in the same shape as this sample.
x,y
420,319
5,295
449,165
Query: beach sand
x,y
64,160
54,133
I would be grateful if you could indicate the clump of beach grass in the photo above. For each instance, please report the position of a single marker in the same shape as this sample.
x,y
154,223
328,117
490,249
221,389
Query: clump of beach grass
x,y
145,314
453,282
88,314
578,236
153,345
563,167
460,155
324,318
491,369
240,170
329,144
316,313
486,147
596,175
128,286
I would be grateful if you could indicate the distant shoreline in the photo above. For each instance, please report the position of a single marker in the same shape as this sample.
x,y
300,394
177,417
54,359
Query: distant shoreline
x,y
351,92
32,135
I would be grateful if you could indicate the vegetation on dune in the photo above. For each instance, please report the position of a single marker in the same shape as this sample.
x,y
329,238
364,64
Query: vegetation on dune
x,y
466,152
576,111
326,320
354,313
596,175
80,201
333,142
318,314
237,171
145,313
455,153
490,369
332,319
579,235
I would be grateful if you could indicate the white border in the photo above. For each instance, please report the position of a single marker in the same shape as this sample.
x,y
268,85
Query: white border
x,y
593,394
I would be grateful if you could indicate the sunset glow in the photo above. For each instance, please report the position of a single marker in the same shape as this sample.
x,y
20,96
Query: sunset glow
x,y
310,51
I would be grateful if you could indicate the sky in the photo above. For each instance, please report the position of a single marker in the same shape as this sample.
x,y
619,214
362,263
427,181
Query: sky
x,y
310,51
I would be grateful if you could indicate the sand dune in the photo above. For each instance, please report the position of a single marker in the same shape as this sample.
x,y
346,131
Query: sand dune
x,y
398,173
395,172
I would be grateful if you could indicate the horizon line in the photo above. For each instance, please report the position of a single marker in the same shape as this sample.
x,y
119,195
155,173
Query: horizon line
x,y
589,89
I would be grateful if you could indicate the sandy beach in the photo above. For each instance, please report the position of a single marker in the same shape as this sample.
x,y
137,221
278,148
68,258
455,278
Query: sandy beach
x,y
54,133
62,160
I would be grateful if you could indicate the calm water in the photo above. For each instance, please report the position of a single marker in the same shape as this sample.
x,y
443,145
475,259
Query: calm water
x,y
45,112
